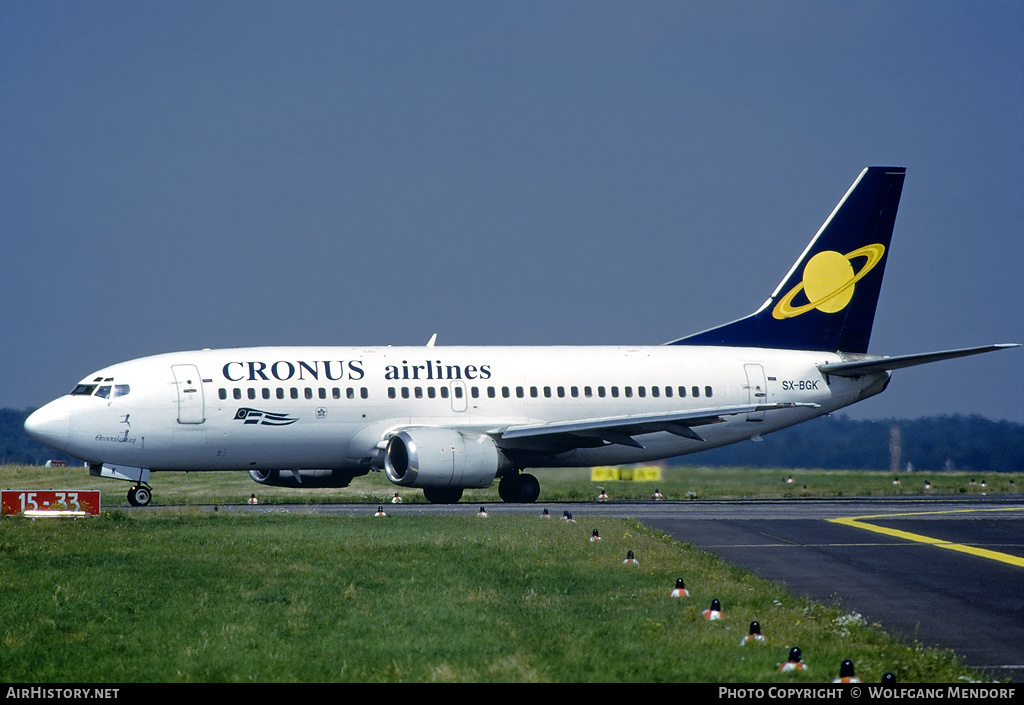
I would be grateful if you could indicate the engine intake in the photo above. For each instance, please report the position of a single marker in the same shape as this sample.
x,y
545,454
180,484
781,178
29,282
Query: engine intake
x,y
441,457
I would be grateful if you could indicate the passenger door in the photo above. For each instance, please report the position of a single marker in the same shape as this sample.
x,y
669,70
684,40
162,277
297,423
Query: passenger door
x,y
191,404
757,390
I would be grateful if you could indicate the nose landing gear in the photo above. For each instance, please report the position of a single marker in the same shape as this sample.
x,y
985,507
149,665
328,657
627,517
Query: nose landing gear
x,y
139,495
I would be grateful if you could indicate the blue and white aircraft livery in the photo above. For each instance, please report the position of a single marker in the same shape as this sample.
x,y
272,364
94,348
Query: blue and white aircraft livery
x,y
446,418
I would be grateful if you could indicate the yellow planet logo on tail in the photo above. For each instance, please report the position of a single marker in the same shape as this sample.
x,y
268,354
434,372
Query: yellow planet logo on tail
x,y
828,282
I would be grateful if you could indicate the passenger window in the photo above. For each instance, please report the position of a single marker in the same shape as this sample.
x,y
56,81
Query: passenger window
x,y
222,393
236,393
251,393
474,392
491,392
574,391
458,392
655,391
520,392
600,391
364,392
391,393
280,392
547,392
418,392
588,392
668,392
682,392
615,392
266,392
431,392
444,392
707,392
336,393
350,393
695,390
505,392
629,391
533,392
294,393
405,392
323,393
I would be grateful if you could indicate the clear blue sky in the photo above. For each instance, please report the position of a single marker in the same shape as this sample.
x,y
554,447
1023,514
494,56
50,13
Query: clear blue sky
x,y
179,175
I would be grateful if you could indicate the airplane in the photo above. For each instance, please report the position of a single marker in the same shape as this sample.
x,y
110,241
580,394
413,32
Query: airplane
x,y
443,419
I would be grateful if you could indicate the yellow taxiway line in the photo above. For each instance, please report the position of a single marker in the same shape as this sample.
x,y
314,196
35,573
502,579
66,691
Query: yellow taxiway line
x,y
859,523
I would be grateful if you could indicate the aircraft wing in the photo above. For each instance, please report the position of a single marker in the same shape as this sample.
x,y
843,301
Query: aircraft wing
x,y
857,368
621,429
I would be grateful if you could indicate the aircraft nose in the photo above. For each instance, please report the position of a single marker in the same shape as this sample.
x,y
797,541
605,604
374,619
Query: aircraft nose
x,y
50,425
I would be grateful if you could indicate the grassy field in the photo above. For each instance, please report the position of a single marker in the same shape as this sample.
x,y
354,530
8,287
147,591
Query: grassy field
x,y
556,485
185,594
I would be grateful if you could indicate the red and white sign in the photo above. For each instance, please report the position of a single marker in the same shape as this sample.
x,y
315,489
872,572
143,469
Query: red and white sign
x,y
50,502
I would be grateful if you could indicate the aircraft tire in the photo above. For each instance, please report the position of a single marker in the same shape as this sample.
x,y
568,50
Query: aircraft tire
x,y
139,496
519,489
529,488
442,495
507,488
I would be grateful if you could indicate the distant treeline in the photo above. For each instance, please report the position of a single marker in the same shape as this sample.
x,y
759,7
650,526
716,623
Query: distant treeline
x,y
935,443
966,443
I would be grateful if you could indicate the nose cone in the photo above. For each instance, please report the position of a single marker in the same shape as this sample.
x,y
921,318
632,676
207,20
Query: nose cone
x,y
50,425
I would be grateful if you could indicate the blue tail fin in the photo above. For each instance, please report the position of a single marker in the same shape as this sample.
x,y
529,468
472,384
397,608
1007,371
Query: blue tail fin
x,y
827,301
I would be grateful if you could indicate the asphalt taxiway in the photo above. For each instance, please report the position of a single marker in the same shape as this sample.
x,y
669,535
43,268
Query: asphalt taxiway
x,y
942,571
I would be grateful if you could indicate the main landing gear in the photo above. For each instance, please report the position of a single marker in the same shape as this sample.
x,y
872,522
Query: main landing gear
x,y
442,495
522,488
519,489
139,495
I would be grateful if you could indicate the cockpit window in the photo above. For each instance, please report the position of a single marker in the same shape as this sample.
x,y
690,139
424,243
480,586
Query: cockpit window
x,y
104,391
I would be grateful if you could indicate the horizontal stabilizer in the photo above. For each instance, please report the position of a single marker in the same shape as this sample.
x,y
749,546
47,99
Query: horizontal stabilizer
x,y
882,364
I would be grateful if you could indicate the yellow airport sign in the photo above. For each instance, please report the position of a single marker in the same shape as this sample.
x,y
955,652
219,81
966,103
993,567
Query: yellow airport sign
x,y
611,473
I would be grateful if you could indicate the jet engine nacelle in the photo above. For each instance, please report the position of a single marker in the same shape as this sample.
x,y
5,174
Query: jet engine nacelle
x,y
303,478
441,457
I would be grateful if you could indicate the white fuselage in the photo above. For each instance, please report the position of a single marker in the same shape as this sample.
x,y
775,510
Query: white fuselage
x,y
334,407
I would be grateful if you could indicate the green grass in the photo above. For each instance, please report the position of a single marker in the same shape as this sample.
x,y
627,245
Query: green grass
x,y
556,485
184,594
189,595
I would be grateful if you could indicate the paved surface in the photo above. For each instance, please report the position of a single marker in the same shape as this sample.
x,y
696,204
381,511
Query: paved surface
x,y
946,571
966,600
